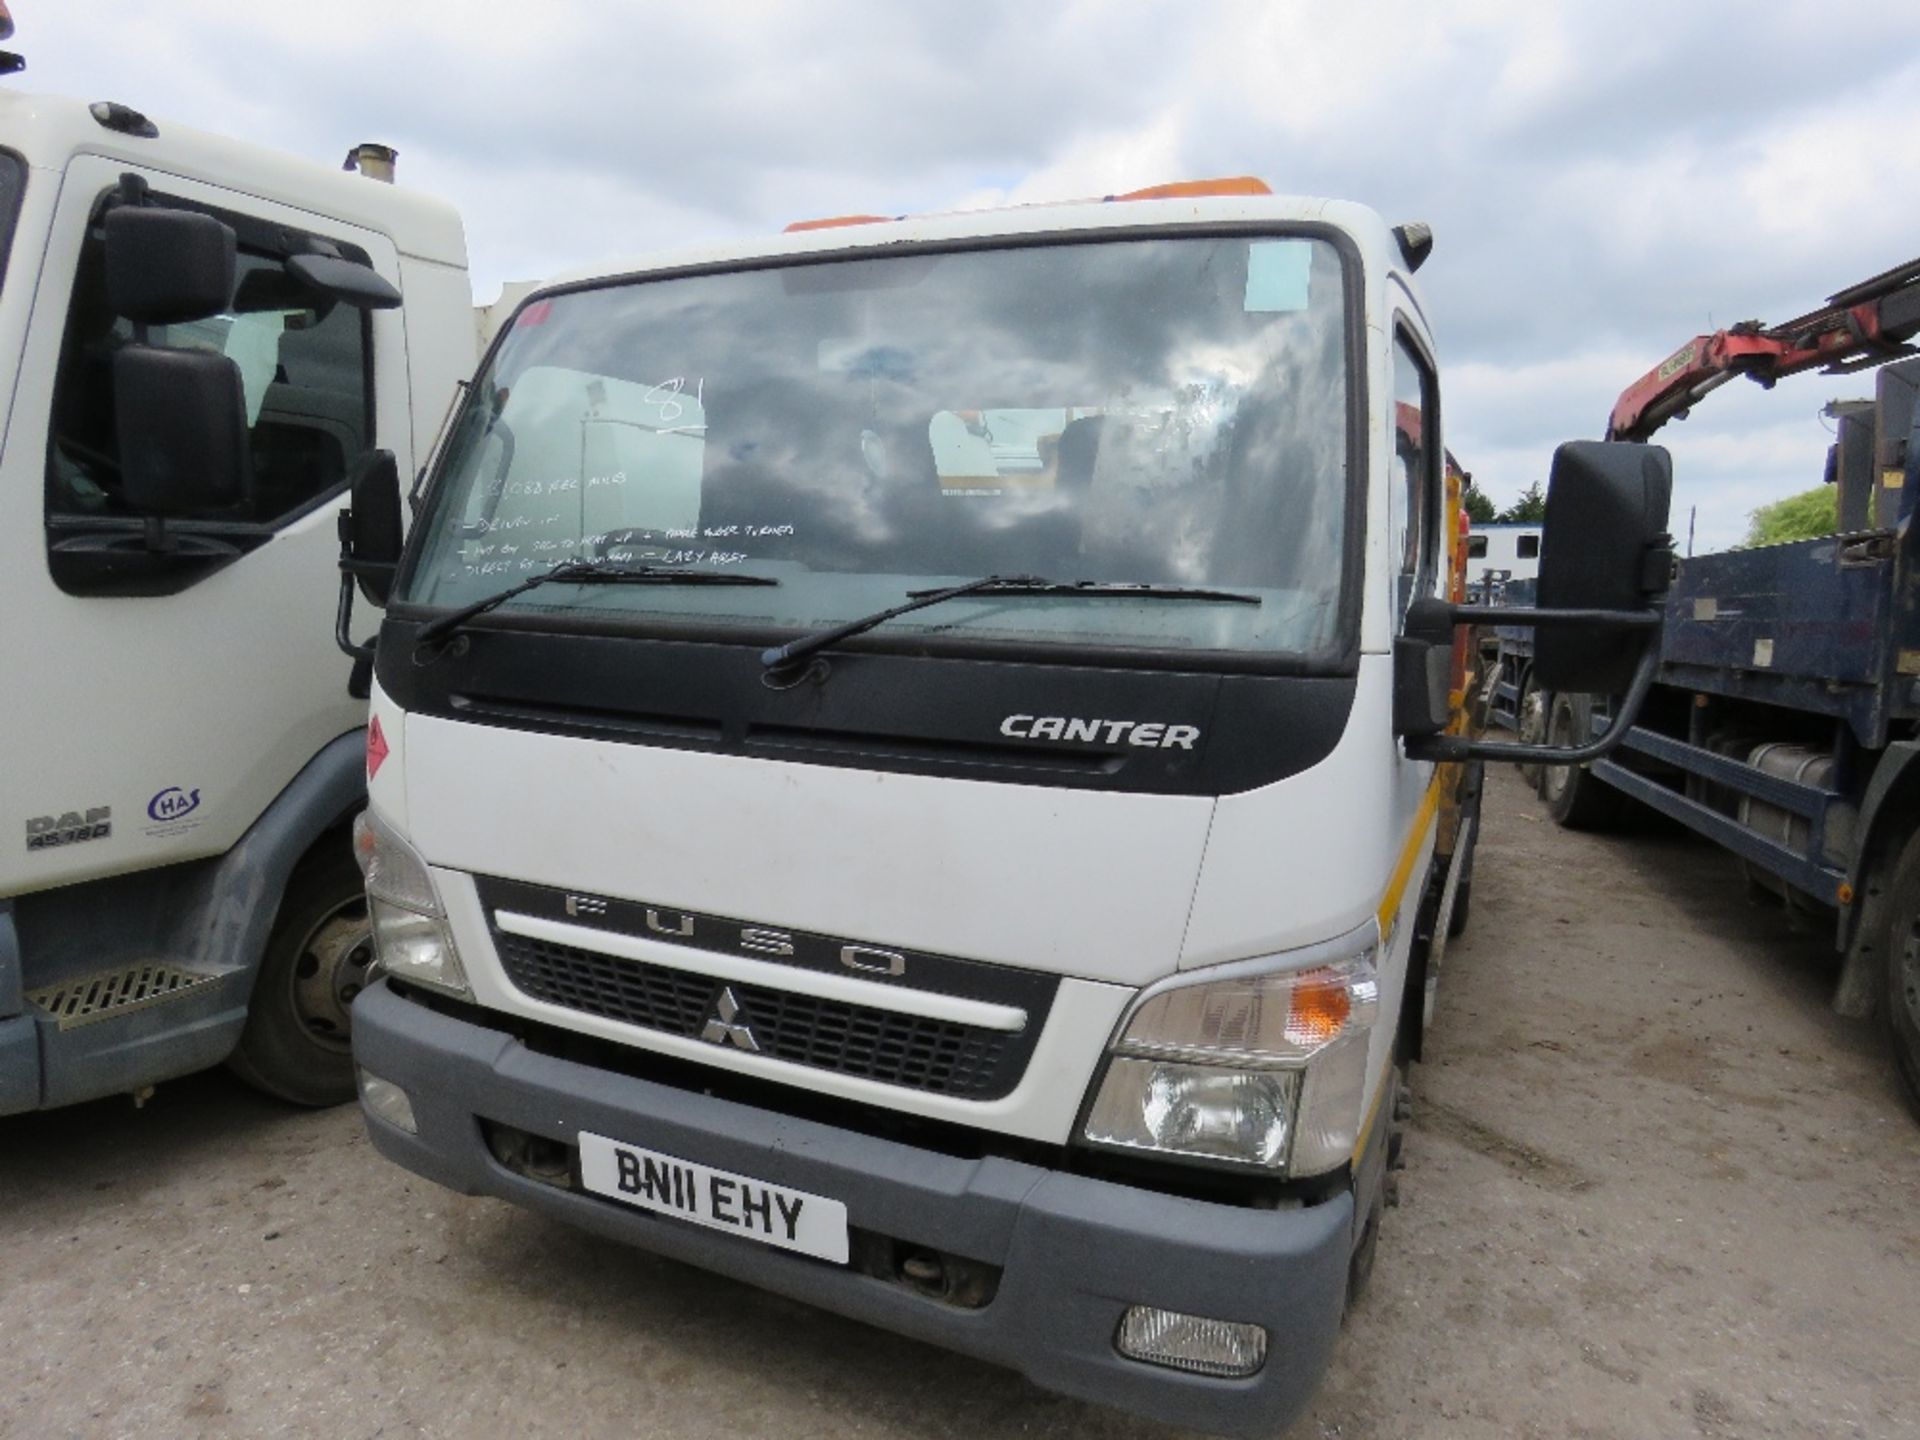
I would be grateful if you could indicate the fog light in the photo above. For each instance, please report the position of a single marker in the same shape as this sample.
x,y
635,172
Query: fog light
x,y
388,1102
1191,1342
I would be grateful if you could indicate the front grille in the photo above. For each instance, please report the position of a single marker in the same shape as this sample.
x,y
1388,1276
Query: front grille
x,y
938,1057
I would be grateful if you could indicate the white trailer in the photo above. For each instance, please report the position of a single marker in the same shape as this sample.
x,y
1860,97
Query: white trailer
x,y
183,751
1499,553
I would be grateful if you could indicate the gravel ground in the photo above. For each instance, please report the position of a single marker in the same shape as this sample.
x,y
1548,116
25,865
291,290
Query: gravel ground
x,y
1656,1189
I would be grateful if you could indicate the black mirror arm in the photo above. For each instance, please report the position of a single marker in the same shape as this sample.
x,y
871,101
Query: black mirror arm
x,y
1445,748
352,570
342,618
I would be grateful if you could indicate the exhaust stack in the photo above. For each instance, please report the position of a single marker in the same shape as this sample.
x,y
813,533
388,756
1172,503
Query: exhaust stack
x,y
373,160
10,63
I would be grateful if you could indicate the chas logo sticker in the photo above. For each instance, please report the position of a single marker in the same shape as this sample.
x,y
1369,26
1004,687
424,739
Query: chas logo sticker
x,y
172,811
173,803
47,832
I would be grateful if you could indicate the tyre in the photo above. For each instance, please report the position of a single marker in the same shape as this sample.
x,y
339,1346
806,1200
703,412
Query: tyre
x,y
1900,996
1531,724
1395,1111
1360,1266
1575,799
1462,903
318,957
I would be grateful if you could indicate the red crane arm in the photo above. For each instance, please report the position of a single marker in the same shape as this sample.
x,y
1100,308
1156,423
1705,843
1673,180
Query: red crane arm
x,y
1862,326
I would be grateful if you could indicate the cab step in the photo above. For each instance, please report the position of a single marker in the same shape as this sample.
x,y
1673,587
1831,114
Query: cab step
x,y
112,993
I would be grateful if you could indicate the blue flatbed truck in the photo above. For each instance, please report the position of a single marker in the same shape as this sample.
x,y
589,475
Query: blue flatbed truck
x,y
1784,721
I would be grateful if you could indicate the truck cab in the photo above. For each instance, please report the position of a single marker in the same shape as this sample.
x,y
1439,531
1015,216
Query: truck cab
x,y
893,777
1499,553
184,752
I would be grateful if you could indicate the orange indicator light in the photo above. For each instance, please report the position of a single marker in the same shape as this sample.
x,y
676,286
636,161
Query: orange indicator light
x,y
1319,1008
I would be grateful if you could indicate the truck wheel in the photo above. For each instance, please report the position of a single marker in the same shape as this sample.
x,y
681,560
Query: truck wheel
x,y
1530,715
1900,1002
1574,797
1390,1131
319,956
1462,903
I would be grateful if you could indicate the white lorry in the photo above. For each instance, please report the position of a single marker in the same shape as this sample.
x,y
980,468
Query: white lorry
x,y
907,767
1499,553
204,350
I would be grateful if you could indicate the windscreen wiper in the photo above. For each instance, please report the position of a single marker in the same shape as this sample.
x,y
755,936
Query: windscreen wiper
x,y
781,656
1120,589
587,572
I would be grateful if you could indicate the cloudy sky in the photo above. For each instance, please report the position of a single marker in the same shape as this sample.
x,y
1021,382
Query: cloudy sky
x,y
1604,181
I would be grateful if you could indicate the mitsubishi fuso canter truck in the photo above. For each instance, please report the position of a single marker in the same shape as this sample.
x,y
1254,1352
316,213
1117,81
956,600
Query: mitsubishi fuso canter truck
x,y
918,765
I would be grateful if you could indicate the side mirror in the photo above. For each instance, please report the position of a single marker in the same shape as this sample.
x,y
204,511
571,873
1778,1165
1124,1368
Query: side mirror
x,y
165,267
182,422
1605,564
370,533
370,545
347,281
1423,669
1604,547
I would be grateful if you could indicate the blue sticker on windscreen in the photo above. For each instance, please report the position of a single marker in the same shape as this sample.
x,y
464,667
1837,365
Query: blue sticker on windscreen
x,y
1278,272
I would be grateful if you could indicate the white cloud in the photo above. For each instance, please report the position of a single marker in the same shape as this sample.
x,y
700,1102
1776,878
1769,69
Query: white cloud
x,y
1604,181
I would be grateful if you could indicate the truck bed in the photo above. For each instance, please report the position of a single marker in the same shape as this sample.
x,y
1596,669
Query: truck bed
x,y
1812,625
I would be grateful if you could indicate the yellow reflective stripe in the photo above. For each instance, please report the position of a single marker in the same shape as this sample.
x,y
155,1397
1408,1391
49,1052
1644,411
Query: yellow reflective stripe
x,y
1389,908
1409,853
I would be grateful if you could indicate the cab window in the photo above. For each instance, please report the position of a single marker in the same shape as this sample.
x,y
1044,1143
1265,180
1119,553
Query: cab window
x,y
1414,490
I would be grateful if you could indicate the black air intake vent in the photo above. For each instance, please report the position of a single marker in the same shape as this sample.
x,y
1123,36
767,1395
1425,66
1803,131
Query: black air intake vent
x,y
584,720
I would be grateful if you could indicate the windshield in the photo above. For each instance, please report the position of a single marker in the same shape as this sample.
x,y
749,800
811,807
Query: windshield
x,y
1170,412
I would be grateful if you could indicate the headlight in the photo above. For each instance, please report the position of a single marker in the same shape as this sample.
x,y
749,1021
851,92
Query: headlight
x,y
1243,1115
409,926
1265,1066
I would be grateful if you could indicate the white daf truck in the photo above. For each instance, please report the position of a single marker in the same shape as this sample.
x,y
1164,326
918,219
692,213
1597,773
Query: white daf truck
x,y
205,349
910,766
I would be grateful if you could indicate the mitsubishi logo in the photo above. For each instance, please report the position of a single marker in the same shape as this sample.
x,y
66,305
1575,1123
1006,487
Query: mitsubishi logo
x,y
721,1027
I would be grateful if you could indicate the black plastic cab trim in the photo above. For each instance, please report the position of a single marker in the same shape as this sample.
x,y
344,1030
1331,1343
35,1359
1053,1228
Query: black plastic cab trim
x,y
910,713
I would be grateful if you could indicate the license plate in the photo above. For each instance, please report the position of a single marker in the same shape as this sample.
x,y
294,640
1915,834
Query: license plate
x,y
717,1199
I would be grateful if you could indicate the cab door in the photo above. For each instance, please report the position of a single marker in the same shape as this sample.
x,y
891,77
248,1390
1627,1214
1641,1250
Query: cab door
x,y
152,709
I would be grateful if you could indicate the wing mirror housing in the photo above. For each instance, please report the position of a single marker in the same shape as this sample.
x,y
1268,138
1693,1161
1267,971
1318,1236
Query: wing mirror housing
x,y
181,417
346,281
165,266
371,539
1606,562
1604,547
370,530
1423,669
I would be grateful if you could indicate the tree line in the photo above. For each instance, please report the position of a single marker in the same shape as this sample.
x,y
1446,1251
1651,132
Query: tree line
x,y
1529,509
1798,517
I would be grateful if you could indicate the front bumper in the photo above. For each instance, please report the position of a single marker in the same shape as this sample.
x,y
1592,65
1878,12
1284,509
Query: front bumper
x,y
1073,1252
